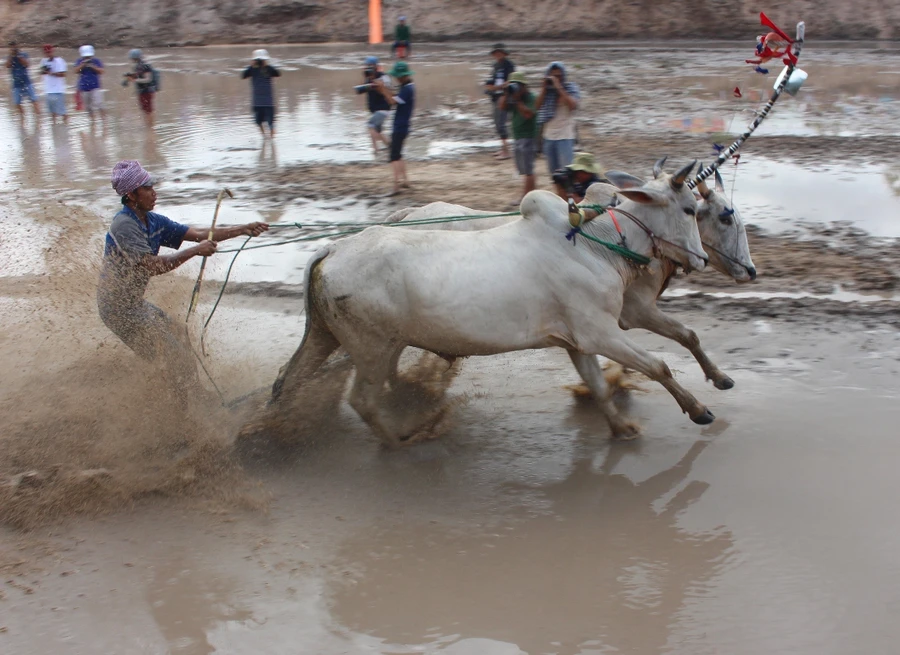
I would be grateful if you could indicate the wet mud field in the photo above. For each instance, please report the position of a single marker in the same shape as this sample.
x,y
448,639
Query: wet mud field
x,y
131,524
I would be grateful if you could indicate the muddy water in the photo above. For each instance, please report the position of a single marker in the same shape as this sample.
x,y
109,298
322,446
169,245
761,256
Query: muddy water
x,y
519,529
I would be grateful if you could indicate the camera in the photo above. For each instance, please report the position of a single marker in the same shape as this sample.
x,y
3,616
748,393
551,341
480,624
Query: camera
x,y
513,88
548,81
370,73
564,177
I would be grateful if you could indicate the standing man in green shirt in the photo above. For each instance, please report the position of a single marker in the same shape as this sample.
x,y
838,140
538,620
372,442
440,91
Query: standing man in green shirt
x,y
522,104
401,38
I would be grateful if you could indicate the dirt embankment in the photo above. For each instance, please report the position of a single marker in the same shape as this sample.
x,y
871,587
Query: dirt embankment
x,y
193,22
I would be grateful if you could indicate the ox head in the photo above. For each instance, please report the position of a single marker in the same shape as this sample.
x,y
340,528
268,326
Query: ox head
x,y
669,209
723,233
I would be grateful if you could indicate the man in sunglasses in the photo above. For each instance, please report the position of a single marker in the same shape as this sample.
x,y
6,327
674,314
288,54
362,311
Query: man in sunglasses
x,y
131,257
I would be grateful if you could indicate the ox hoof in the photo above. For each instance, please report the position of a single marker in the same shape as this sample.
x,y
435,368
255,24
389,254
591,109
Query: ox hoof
x,y
724,383
704,418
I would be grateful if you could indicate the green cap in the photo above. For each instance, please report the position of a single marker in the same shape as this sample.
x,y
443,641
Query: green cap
x,y
519,77
584,161
400,69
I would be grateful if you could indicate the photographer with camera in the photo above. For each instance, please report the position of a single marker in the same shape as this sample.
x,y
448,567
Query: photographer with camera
x,y
17,63
89,70
145,82
261,73
53,69
557,103
378,105
575,178
519,101
494,87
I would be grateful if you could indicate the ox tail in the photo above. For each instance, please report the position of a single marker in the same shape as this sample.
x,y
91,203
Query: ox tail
x,y
318,342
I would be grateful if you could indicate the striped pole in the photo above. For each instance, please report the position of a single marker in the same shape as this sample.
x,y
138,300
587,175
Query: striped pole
x,y
725,155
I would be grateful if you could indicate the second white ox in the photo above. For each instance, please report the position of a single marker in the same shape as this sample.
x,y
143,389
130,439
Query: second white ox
x,y
722,232
514,287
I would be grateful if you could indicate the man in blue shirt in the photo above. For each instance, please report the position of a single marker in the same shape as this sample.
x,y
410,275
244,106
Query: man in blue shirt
x,y
261,73
17,63
89,70
131,257
404,101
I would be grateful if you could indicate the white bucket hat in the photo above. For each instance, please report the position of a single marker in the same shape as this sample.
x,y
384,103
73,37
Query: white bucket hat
x,y
86,51
261,54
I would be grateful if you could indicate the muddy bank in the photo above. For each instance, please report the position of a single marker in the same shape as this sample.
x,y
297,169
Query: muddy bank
x,y
162,23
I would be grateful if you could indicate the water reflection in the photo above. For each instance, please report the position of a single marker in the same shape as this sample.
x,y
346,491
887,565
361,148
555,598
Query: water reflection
x,y
607,567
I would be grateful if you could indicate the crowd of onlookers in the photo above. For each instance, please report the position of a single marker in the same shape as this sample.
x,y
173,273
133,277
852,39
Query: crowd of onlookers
x,y
89,71
541,114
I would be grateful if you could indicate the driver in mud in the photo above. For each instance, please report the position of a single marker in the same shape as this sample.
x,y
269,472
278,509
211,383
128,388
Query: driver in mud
x,y
131,257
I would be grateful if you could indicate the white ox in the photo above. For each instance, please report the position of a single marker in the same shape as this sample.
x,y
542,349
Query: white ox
x,y
514,287
724,239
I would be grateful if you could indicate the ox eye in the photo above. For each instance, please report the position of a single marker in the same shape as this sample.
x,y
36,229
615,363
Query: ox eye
x,y
726,220
690,211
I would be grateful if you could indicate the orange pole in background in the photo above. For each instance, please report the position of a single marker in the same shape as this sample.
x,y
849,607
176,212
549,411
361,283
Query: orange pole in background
x,y
376,34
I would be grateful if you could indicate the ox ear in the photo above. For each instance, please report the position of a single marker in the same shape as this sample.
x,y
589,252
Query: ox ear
x,y
720,183
623,180
644,196
658,167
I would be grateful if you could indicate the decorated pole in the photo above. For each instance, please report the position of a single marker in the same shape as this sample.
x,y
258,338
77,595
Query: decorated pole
x,y
793,52
376,34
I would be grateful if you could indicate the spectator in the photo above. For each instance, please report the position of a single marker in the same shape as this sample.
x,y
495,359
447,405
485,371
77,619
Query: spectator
x,y
577,176
401,38
378,105
53,69
557,103
17,63
522,104
503,68
144,81
89,70
261,73
404,101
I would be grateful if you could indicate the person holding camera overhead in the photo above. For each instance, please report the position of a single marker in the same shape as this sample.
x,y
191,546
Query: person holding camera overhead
x,y
261,73
53,69
494,87
143,76
522,104
378,105
17,63
557,103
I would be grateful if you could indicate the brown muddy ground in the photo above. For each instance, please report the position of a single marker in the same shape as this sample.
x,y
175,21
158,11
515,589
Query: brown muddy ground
x,y
130,525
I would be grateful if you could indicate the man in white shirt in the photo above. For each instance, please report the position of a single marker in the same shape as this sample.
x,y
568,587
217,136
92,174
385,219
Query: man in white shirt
x,y
53,69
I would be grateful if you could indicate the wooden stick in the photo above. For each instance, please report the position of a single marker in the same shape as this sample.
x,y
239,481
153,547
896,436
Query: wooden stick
x,y
195,296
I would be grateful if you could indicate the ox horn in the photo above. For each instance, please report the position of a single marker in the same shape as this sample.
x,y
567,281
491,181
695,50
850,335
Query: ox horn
x,y
720,183
702,188
658,167
678,179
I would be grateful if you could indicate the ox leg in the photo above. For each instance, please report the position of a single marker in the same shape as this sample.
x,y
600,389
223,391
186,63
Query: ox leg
x,y
618,347
650,317
373,367
589,369
317,346
394,369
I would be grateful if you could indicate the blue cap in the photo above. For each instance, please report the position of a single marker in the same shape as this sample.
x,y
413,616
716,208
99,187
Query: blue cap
x,y
371,61
402,18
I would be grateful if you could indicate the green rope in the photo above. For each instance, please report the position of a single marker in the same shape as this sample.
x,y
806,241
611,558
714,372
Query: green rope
x,y
616,248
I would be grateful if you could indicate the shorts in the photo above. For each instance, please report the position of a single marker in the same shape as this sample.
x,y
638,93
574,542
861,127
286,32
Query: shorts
x,y
56,103
559,153
397,139
146,101
525,150
264,115
377,119
23,92
93,99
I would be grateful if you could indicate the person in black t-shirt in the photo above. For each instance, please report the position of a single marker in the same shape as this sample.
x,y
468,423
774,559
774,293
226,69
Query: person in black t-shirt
x,y
378,105
494,87
577,177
